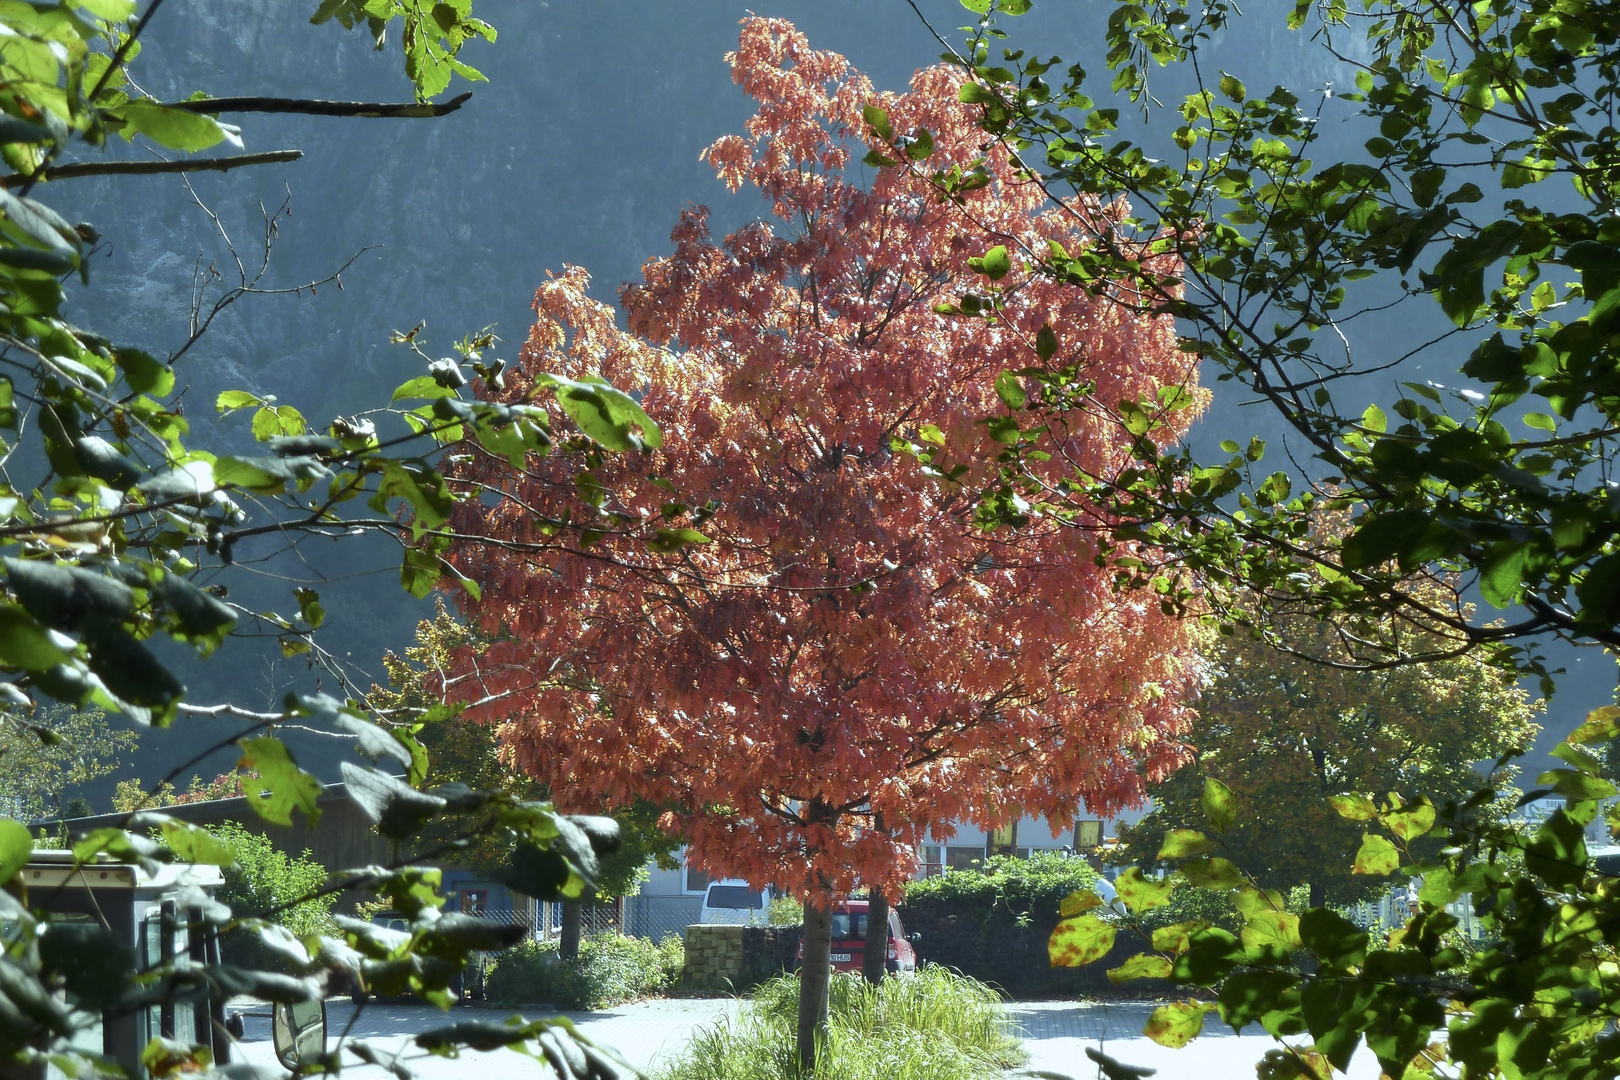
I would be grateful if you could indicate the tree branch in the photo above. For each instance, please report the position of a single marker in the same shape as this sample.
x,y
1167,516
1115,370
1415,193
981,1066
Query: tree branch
x,y
316,107
148,168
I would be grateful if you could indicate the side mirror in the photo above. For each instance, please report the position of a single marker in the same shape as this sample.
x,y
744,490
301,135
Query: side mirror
x,y
298,1032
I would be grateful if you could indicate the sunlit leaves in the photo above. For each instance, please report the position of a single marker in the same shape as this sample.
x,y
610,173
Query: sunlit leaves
x,y
1177,1024
1377,856
1080,940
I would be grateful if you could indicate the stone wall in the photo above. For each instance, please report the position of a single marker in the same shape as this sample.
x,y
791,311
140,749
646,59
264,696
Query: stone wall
x,y
735,958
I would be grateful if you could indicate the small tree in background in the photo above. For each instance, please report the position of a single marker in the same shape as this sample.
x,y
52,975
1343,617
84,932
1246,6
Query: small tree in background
x,y
1285,733
264,883
785,619
48,754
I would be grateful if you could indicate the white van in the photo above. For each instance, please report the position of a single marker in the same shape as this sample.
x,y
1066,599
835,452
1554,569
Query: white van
x,y
735,902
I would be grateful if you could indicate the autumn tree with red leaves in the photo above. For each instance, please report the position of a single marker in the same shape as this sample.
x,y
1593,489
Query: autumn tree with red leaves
x,y
784,621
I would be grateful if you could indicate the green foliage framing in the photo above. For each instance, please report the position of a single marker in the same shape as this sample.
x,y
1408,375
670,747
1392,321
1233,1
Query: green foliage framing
x,y
1532,997
1481,205
115,537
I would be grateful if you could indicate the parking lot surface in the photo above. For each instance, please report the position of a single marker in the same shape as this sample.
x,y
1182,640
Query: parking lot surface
x,y
1055,1034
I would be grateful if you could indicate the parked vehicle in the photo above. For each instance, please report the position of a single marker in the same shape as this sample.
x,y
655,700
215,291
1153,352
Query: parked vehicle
x,y
735,903
849,940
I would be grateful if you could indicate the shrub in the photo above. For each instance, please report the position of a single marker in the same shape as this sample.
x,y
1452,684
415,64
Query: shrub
x,y
933,1025
785,911
993,924
611,969
263,883
1008,885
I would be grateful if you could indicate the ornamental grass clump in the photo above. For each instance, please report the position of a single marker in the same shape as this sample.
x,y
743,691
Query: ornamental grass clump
x,y
933,1025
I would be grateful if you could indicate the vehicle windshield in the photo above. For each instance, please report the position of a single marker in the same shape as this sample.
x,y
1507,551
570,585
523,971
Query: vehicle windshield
x,y
734,896
848,924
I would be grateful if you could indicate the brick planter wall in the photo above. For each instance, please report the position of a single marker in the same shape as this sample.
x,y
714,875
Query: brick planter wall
x,y
735,958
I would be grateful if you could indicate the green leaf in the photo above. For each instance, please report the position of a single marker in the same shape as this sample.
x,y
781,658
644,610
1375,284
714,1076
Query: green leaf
x,y
1141,893
230,400
1177,1024
1010,390
1354,807
1332,937
1140,966
1601,725
1386,536
1268,928
144,373
282,786
1219,805
1078,903
878,120
1214,873
1184,844
397,808
194,845
995,264
1079,941
16,845
24,644
1046,342
1410,821
664,541
1233,88
1502,573
178,129
1377,856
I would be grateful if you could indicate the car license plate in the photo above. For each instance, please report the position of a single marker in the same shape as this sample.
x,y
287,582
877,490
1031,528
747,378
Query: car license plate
x,y
840,957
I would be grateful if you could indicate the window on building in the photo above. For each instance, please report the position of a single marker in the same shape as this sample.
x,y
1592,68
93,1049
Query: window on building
x,y
933,860
1001,841
696,880
964,858
474,901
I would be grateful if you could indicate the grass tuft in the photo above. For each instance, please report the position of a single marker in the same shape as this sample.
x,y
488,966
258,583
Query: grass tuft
x,y
933,1025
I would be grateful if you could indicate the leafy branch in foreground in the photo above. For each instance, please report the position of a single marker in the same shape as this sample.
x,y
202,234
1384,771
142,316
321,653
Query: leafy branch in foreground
x,y
118,526
1291,272
1531,994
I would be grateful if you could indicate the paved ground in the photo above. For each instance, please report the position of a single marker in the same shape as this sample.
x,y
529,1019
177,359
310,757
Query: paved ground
x,y
1055,1033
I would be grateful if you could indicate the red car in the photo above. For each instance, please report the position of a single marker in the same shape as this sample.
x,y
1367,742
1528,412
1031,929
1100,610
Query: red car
x,y
849,940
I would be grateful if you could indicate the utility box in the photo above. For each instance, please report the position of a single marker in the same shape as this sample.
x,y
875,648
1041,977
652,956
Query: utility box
x,y
159,916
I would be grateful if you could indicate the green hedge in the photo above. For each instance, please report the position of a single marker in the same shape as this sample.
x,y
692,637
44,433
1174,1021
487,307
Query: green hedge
x,y
993,925
611,969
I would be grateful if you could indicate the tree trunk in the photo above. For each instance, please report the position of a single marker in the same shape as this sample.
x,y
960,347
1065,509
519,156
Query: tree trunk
x,y
815,977
876,961
572,915
1318,895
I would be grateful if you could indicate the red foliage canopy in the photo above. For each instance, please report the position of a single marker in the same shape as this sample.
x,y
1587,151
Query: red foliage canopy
x,y
835,637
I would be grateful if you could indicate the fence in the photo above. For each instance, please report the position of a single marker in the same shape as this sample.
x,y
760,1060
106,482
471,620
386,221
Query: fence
x,y
1394,910
655,917
658,917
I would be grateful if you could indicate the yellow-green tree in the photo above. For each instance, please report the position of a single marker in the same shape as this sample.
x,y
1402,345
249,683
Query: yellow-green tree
x,y
1285,733
48,754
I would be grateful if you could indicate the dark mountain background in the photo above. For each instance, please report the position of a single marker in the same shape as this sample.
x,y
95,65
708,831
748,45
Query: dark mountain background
x,y
582,148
